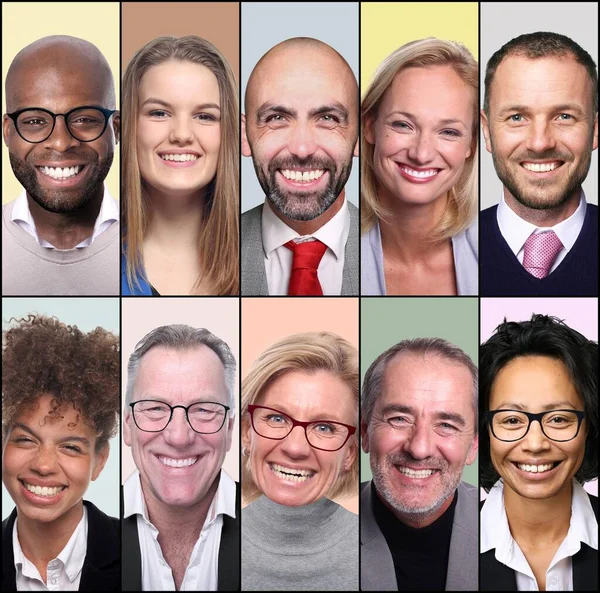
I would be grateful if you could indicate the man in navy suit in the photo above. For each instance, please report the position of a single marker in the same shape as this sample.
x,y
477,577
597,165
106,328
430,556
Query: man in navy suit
x,y
540,122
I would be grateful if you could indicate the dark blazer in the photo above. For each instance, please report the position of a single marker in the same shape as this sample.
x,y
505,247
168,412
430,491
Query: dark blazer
x,y
102,565
228,577
495,576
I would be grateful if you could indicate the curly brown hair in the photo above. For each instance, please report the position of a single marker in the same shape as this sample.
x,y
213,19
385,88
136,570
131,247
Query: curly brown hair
x,y
41,355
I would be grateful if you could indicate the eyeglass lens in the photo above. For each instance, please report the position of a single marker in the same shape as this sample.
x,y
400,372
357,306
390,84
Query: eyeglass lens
x,y
154,416
84,124
559,425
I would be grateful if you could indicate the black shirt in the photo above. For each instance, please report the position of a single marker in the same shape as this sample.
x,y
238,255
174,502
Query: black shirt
x,y
420,554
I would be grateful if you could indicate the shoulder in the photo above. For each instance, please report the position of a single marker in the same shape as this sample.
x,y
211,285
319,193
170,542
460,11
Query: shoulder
x,y
352,209
97,519
252,214
488,213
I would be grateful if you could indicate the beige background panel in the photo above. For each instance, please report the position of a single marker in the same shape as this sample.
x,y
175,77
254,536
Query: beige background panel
x,y
217,22
267,320
25,22
219,315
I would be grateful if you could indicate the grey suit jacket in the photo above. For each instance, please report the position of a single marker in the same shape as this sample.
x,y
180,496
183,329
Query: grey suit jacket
x,y
377,566
254,276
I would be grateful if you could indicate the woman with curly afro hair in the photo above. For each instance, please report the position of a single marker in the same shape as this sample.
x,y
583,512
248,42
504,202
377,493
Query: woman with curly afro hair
x,y
60,407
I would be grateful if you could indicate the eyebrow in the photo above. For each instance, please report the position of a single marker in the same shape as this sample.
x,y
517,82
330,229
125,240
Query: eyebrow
x,y
77,439
402,409
525,109
316,417
167,104
553,406
334,107
443,122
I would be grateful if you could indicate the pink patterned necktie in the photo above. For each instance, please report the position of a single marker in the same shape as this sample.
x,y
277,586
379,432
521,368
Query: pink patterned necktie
x,y
541,250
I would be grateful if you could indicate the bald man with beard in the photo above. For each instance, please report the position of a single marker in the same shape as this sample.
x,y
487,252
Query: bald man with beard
x,y
301,129
61,235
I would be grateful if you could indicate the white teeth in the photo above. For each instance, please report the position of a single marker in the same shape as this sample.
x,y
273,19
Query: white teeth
x,y
302,175
178,462
43,490
540,167
61,173
292,475
422,473
535,469
179,157
419,174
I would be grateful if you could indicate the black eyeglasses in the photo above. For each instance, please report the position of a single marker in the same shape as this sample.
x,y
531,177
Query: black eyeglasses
x,y
86,123
324,435
512,425
152,415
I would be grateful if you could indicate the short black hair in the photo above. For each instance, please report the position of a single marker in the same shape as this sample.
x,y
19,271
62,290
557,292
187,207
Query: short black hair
x,y
541,45
542,336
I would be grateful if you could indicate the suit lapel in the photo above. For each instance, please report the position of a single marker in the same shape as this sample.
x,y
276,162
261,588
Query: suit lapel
x,y
350,279
9,574
229,549
254,276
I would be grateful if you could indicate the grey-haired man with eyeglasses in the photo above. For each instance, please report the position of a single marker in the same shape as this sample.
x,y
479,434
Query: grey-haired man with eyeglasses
x,y
61,235
181,509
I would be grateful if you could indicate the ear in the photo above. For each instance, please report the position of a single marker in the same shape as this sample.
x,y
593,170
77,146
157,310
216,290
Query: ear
x,y
472,454
595,143
364,436
230,424
356,152
368,129
486,131
127,427
100,461
350,457
246,434
116,123
6,128
245,144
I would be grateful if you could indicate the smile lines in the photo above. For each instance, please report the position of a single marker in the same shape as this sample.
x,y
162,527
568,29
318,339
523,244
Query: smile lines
x,y
177,462
61,173
302,175
290,474
43,490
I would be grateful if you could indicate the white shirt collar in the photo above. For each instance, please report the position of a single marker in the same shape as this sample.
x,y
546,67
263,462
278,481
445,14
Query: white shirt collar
x,y
71,557
222,503
109,213
334,233
495,531
515,230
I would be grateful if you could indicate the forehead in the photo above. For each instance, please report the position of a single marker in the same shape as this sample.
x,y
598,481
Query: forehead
x,y
418,91
303,79
189,374
179,81
532,382
311,396
543,82
430,383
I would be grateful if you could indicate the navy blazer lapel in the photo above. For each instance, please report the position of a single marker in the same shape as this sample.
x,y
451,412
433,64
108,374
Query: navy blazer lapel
x,y
9,574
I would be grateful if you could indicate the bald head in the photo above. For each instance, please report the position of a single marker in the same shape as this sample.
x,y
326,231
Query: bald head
x,y
303,53
58,55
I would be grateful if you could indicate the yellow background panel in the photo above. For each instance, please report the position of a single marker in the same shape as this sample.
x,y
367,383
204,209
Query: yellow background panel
x,y
25,22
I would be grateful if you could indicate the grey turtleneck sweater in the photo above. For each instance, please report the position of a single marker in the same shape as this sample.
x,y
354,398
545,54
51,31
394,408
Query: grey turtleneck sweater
x,y
307,548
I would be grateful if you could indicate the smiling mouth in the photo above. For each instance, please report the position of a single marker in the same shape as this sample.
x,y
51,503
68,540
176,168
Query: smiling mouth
x,y
43,490
424,174
291,474
170,462
537,469
179,157
415,473
541,167
302,175
62,173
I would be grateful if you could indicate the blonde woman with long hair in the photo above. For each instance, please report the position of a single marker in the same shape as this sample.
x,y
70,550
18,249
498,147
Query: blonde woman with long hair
x,y
419,172
180,170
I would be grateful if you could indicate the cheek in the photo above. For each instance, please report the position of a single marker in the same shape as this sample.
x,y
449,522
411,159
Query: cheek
x,y
148,137
455,154
211,140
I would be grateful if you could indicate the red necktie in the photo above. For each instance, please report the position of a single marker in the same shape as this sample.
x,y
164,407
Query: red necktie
x,y
307,256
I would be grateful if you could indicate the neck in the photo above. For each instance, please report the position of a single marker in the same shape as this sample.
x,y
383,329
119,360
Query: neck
x,y
174,221
44,541
179,522
538,523
308,227
544,218
65,231
420,520
406,233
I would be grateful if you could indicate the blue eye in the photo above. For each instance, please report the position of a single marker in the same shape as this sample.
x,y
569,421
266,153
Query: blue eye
x,y
565,117
516,117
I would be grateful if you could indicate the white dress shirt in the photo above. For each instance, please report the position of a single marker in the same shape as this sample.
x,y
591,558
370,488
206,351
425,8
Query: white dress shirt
x,y
109,213
278,258
495,533
202,571
516,231
63,573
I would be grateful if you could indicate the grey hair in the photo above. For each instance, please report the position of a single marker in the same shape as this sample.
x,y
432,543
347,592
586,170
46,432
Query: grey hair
x,y
182,337
374,376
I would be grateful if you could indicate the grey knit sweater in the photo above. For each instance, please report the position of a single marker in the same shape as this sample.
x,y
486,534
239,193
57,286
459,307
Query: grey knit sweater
x,y
307,548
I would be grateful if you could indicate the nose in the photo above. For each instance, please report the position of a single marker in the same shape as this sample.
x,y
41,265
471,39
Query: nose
x,y
61,139
45,462
535,439
295,444
178,432
180,132
419,443
540,137
421,150
302,141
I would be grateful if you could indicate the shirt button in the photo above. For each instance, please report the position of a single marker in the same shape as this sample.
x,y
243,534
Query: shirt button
x,y
554,580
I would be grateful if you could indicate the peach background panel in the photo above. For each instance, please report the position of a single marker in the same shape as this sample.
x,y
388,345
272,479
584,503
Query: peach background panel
x,y
219,315
267,320
217,22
